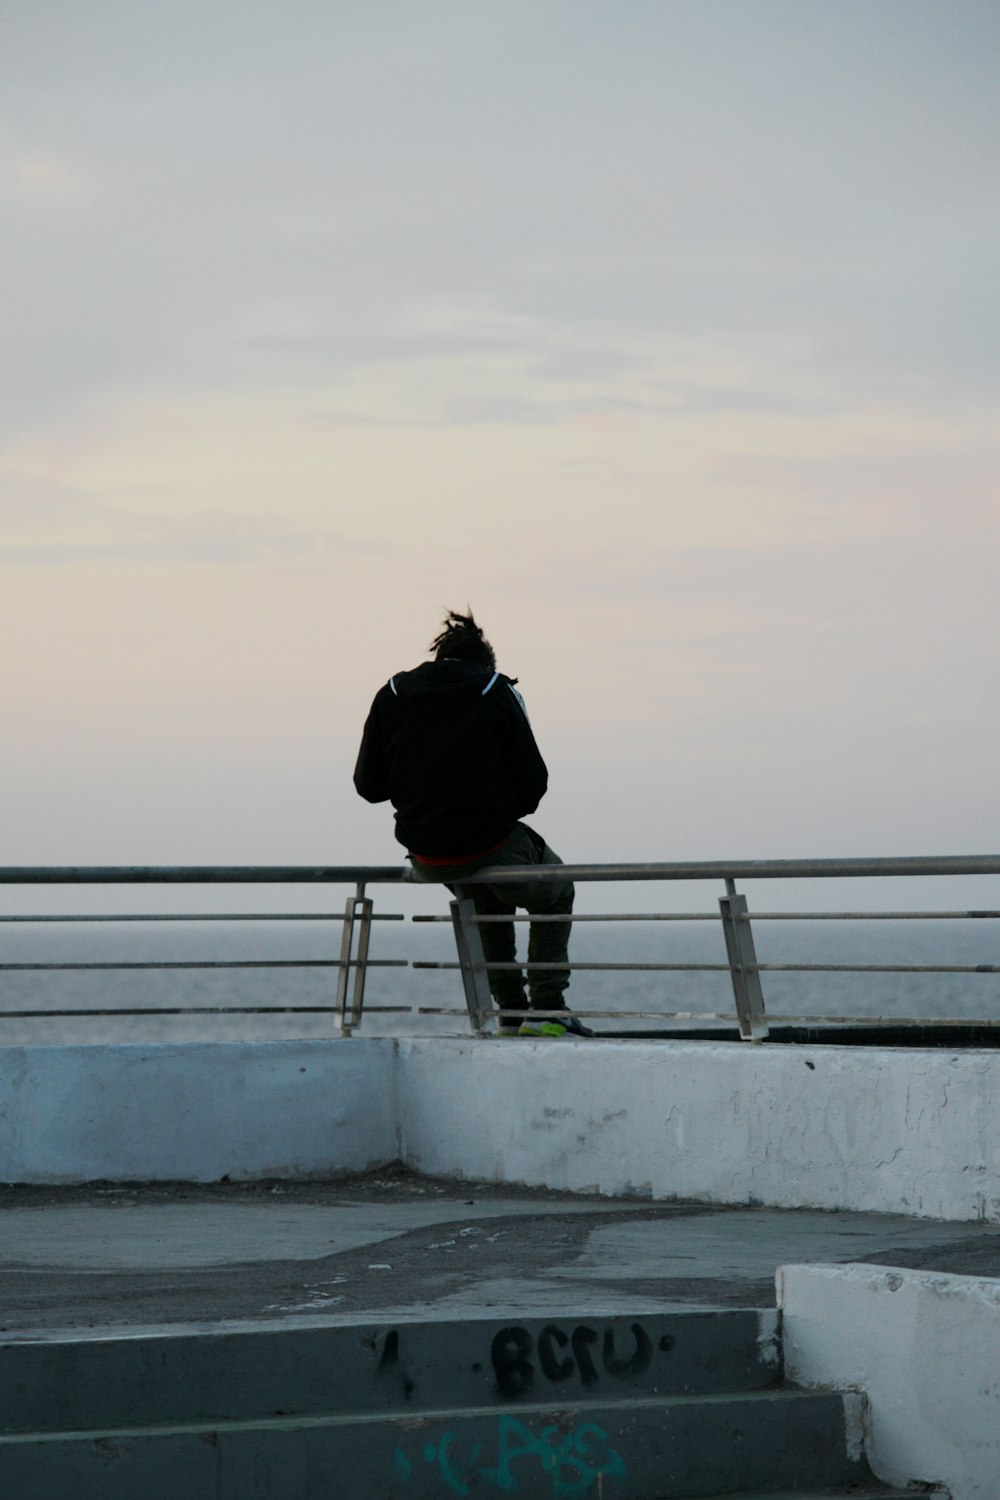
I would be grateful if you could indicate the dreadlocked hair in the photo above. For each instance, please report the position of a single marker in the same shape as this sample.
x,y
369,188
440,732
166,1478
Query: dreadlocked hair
x,y
462,639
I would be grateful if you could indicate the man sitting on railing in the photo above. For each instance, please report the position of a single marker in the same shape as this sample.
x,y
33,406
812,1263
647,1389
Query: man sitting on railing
x,y
449,744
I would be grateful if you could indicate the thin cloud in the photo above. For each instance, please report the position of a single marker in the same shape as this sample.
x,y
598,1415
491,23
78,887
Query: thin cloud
x,y
213,540
516,411
41,179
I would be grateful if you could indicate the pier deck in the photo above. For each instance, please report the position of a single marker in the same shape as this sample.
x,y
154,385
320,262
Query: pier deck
x,y
393,1245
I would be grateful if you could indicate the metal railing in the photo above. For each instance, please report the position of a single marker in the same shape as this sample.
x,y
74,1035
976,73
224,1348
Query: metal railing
x,y
742,963
354,957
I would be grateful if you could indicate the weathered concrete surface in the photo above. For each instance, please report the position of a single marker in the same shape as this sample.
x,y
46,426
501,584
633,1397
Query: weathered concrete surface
x,y
394,1245
195,1113
120,1378
871,1129
924,1346
424,1306
674,1449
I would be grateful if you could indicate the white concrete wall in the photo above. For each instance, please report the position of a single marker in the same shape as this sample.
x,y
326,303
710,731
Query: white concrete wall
x,y
196,1113
828,1127
834,1127
924,1347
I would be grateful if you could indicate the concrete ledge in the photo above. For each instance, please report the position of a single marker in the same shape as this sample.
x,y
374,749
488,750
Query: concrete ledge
x,y
867,1129
195,1113
872,1129
926,1349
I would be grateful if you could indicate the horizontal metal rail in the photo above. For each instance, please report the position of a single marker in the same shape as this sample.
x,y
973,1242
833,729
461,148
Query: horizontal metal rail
x,y
538,967
215,916
201,1010
713,916
225,963
643,1015
699,1016
872,916
746,869
202,874
879,968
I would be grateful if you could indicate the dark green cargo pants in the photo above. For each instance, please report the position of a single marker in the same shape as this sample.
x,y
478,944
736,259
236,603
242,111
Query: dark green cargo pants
x,y
548,942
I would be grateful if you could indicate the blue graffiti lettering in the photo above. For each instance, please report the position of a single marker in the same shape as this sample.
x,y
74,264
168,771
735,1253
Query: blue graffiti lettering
x,y
575,1461
457,1472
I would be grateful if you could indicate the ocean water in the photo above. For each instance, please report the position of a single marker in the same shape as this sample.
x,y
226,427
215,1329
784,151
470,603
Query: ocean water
x,y
635,999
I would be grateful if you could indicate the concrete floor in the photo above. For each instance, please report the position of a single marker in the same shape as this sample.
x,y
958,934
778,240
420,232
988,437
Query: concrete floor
x,y
397,1246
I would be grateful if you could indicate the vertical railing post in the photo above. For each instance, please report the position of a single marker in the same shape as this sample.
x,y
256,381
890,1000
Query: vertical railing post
x,y
343,974
357,913
743,965
472,961
363,917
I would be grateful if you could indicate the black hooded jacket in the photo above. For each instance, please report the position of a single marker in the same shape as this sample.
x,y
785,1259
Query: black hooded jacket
x,y
449,744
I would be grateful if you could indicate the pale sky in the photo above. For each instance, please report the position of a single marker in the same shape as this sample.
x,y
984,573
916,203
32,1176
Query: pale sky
x,y
662,332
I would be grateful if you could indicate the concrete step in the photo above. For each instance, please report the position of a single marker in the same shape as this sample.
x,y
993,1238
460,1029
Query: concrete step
x,y
646,1448
110,1381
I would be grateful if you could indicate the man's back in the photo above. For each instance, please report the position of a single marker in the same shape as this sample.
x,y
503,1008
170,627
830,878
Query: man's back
x,y
450,745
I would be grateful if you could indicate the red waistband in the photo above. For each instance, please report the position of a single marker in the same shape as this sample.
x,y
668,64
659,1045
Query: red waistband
x,y
454,859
